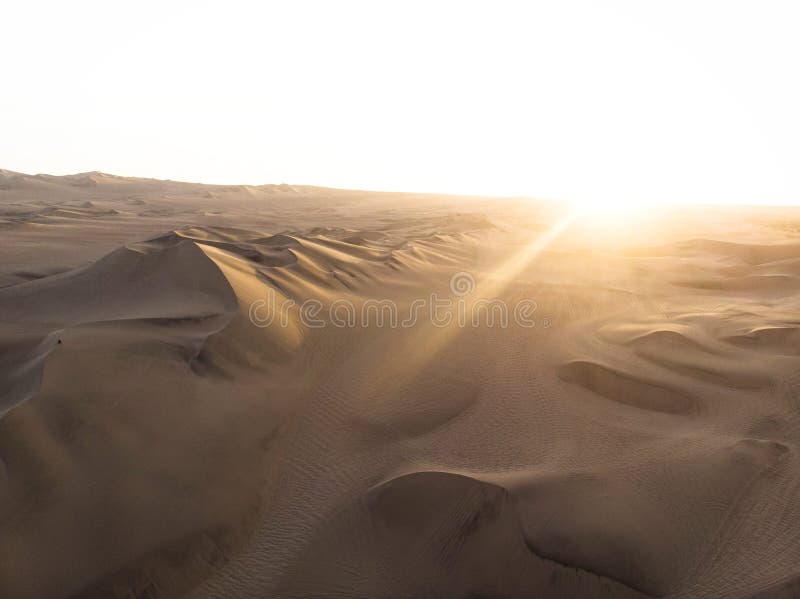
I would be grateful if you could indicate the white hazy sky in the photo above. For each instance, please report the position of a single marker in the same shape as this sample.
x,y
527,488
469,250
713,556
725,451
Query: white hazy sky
x,y
606,101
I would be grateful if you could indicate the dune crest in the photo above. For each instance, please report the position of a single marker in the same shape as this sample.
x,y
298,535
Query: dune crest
x,y
216,391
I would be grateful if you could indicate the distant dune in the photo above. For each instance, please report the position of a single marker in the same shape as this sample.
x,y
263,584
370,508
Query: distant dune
x,y
175,423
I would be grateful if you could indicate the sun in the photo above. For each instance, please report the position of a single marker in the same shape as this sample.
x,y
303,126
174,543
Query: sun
x,y
609,212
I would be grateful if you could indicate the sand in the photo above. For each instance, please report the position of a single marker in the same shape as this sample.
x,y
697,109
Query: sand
x,y
635,435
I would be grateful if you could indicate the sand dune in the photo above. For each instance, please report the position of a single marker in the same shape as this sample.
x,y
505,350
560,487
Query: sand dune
x,y
175,425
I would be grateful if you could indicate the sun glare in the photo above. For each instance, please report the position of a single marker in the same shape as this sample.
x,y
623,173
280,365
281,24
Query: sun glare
x,y
611,212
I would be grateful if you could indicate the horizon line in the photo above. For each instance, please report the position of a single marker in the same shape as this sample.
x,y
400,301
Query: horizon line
x,y
519,196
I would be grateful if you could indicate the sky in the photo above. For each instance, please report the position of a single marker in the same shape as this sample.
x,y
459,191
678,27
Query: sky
x,y
595,101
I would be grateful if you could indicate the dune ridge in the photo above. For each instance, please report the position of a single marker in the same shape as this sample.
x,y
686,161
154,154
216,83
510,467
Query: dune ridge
x,y
640,439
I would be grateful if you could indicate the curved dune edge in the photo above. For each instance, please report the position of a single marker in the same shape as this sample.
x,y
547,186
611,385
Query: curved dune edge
x,y
627,389
442,514
777,339
185,274
175,283
236,460
593,522
177,303
22,364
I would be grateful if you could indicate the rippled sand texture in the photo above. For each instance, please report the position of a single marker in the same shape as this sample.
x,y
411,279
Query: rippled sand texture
x,y
641,439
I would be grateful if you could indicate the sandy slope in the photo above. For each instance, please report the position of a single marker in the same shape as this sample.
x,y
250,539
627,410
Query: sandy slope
x,y
641,439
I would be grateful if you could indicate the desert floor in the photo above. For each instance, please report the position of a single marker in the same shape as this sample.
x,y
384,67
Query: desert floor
x,y
235,391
